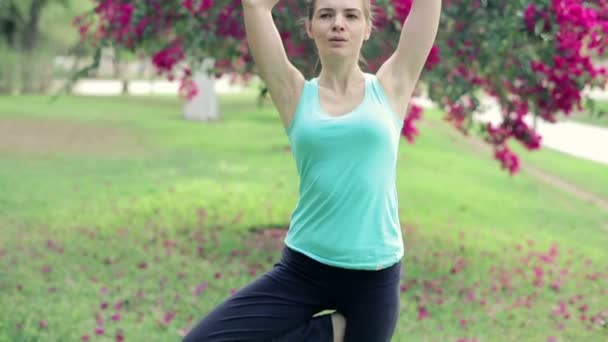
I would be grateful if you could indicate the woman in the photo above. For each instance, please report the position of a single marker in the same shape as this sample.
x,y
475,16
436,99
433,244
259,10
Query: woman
x,y
344,246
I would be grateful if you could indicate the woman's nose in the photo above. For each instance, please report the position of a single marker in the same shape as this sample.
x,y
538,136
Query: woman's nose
x,y
338,23
338,26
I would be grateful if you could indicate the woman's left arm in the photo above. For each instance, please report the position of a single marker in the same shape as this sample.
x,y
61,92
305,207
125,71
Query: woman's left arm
x,y
402,70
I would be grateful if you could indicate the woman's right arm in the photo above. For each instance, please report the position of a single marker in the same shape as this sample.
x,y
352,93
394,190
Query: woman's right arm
x,y
284,81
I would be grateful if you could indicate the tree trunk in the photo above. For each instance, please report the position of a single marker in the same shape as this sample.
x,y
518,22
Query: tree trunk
x,y
30,77
16,84
204,106
31,32
120,72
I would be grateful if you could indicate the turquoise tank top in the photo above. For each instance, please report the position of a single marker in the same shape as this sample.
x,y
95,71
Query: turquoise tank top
x,y
347,214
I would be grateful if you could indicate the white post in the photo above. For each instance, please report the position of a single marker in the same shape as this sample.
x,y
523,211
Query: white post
x,y
204,106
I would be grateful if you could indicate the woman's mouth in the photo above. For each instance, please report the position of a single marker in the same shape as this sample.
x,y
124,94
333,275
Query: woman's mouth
x,y
337,42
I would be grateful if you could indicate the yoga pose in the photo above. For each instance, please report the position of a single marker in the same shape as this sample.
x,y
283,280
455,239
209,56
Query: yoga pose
x,y
344,245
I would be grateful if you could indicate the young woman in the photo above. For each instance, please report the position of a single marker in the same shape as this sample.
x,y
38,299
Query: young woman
x,y
344,246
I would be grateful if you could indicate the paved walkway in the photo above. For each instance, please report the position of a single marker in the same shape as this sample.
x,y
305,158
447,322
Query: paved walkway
x,y
576,139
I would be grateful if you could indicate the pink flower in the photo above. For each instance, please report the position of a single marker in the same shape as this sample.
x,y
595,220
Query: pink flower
x,y
118,305
169,315
508,159
433,59
402,9
120,335
530,16
200,288
422,313
188,88
408,130
165,59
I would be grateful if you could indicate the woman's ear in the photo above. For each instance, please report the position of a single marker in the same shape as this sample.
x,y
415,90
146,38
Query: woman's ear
x,y
368,30
309,28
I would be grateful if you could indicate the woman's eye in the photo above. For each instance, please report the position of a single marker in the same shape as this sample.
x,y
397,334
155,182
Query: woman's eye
x,y
350,16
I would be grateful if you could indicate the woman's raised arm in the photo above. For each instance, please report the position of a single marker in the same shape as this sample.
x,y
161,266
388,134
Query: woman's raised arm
x,y
418,34
284,81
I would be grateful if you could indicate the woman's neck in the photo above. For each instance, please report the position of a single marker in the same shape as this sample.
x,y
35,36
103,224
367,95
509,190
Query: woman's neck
x,y
341,83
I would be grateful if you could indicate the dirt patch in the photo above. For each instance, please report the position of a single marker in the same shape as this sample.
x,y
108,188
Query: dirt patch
x,y
44,137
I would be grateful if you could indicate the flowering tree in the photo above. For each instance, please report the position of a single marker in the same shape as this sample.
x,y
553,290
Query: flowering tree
x,y
531,56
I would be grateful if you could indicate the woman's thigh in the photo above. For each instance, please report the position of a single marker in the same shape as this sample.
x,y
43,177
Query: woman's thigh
x,y
279,301
371,307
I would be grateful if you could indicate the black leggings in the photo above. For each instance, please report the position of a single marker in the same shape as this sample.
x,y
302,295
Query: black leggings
x,y
280,305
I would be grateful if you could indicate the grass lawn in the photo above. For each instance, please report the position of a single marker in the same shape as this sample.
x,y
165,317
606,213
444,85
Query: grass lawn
x,y
587,175
120,218
593,120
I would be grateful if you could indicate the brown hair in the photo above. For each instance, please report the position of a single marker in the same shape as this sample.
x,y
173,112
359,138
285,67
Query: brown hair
x,y
368,12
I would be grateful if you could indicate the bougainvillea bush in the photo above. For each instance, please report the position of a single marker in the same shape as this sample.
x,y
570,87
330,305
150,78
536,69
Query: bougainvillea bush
x,y
530,56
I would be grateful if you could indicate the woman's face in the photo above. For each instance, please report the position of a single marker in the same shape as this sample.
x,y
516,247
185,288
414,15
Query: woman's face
x,y
339,27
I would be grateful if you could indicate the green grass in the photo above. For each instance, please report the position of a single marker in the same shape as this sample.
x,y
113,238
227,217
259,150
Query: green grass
x,y
587,175
206,185
597,120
